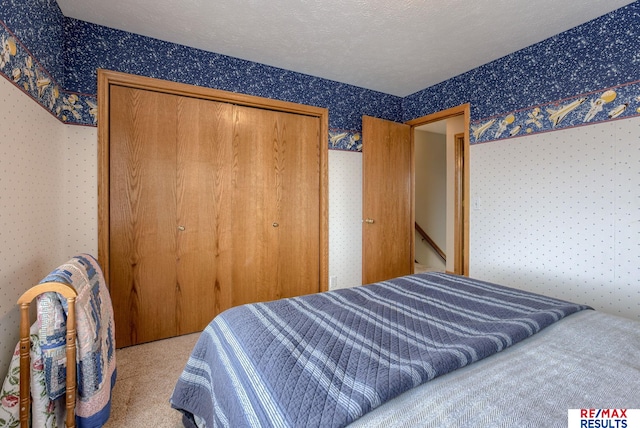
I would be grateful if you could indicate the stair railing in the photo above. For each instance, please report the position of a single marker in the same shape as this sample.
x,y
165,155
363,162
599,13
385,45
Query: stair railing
x,y
431,242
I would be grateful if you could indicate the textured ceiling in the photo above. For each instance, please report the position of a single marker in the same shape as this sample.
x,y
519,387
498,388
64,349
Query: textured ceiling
x,y
397,47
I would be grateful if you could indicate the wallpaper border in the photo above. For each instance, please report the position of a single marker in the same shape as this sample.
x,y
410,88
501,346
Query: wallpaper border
x,y
21,68
616,102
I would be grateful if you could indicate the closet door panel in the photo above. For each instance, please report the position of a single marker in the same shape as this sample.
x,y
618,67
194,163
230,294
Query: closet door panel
x,y
142,214
208,200
203,183
297,195
254,224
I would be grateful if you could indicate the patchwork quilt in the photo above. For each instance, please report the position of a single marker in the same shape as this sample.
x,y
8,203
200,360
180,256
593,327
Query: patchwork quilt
x,y
46,413
95,357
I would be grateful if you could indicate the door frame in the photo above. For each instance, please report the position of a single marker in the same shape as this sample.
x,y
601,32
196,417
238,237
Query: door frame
x,y
462,198
106,78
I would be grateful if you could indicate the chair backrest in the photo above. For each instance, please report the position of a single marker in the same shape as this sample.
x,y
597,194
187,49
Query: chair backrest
x,y
24,301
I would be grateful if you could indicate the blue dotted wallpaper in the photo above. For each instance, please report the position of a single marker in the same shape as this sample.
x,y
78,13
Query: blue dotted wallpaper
x,y
585,75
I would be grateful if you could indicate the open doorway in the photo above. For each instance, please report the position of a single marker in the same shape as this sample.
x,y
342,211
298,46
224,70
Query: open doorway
x,y
388,202
430,145
441,190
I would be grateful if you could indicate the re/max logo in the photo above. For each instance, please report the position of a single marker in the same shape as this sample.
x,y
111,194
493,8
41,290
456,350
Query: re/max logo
x,y
603,418
603,413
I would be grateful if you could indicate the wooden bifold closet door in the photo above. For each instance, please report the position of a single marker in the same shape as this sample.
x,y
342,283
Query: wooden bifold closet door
x,y
211,205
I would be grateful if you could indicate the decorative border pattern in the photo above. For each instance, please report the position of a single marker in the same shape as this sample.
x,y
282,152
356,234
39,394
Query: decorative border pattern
x,y
618,102
598,54
344,139
40,27
20,67
584,61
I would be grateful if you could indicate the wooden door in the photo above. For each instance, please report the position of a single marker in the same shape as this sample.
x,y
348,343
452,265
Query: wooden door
x,y
204,142
143,216
166,226
207,199
297,202
387,228
275,224
254,268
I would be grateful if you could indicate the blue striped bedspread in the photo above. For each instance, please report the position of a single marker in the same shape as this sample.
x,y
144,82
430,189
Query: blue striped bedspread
x,y
324,360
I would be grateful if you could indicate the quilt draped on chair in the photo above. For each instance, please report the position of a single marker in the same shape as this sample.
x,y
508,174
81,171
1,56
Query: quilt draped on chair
x,y
95,358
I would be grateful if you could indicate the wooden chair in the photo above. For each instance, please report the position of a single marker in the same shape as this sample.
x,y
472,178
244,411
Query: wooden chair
x,y
25,362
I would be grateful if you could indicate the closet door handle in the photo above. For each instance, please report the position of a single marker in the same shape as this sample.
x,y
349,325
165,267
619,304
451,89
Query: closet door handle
x,y
369,220
181,228
275,224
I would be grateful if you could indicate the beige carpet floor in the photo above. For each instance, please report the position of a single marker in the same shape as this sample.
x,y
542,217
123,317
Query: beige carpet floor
x,y
422,268
147,374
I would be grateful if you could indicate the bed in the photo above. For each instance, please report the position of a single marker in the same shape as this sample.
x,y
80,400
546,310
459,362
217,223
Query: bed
x,y
429,349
